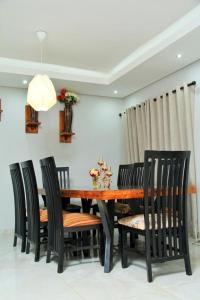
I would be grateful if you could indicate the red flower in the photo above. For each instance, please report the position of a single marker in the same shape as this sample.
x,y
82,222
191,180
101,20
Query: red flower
x,y
63,91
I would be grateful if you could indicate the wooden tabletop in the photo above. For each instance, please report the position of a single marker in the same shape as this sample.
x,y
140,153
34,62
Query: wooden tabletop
x,y
106,194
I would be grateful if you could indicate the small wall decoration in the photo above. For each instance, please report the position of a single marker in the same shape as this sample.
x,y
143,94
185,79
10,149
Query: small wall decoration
x,y
66,116
31,120
1,110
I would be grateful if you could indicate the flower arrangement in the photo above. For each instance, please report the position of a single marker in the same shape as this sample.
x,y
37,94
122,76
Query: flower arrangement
x,y
94,172
67,97
101,177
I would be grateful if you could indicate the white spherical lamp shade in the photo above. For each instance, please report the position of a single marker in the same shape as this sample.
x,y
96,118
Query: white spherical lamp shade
x,y
41,93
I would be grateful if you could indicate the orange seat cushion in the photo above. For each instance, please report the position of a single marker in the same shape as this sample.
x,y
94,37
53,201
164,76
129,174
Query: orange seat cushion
x,y
44,215
80,219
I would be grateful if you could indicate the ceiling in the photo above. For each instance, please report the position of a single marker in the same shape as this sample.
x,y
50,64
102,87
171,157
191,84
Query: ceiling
x,y
96,46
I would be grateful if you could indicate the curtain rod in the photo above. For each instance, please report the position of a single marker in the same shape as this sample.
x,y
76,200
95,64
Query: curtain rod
x,y
167,94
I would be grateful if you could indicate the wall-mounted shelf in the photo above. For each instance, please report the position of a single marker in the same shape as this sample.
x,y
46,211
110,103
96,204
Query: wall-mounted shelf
x,y
65,137
31,120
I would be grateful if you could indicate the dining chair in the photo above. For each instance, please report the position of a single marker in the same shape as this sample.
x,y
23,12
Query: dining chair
x,y
64,182
19,203
37,218
164,222
60,225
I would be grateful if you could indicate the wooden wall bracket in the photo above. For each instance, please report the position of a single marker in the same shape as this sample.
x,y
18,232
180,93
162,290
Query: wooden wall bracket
x,y
65,137
31,120
1,110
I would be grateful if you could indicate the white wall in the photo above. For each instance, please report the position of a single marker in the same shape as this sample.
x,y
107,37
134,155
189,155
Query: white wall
x,y
186,75
97,127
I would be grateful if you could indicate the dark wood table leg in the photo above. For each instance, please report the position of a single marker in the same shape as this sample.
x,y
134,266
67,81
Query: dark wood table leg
x,y
86,205
107,215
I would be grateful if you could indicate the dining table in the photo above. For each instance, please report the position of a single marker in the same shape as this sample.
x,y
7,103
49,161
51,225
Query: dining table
x,y
105,199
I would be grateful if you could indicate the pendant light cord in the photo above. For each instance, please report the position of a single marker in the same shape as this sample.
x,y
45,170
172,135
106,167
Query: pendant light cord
x,y
41,52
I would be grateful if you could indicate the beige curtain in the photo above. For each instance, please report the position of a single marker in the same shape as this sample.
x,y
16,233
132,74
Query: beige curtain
x,y
165,123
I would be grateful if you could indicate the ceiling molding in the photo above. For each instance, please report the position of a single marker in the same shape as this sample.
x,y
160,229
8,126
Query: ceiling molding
x,y
173,33
23,67
169,36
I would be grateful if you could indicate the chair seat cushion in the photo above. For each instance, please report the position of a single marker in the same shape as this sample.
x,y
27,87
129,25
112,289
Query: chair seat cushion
x,y
138,222
80,219
44,215
121,208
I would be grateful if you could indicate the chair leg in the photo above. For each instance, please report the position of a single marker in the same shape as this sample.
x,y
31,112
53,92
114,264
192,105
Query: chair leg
x,y
149,270
74,236
15,241
27,248
132,239
48,259
188,268
187,256
123,247
85,236
23,247
37,252
60,262
101,246
148,258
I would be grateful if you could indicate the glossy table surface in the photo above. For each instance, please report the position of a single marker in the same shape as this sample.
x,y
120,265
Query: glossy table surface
x,y
87,192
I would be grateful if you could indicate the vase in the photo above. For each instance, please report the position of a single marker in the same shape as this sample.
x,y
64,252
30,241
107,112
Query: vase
x,y
68,115
95,182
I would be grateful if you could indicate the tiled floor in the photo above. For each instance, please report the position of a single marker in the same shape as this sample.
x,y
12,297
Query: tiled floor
x,y
23,279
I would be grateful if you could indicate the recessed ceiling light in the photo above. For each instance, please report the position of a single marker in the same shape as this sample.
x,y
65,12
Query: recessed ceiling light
x,y
24,81
179,55
115,92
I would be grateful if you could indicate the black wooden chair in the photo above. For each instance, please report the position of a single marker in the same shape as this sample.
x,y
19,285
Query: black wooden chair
x,y
20,209
37,218
64,182
60,225
164,222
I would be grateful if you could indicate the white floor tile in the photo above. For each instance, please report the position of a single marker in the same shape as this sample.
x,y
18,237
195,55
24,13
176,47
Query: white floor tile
x,y
21,278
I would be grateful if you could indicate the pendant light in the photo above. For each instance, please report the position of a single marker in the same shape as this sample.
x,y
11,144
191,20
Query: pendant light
x,y
41,92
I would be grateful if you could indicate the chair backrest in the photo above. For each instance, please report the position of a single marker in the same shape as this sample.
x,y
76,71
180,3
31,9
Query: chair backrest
x,y
63,177
19,199
55,219
138,174
125,175
32,200
166,218
131,175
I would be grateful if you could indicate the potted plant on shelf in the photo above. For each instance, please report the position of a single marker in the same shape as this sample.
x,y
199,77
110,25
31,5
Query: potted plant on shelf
x,y
69,99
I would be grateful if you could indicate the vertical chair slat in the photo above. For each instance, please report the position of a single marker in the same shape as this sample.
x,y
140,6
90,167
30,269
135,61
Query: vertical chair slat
x,y
180,202
169,205
158,208
174,204
152,181
164,206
